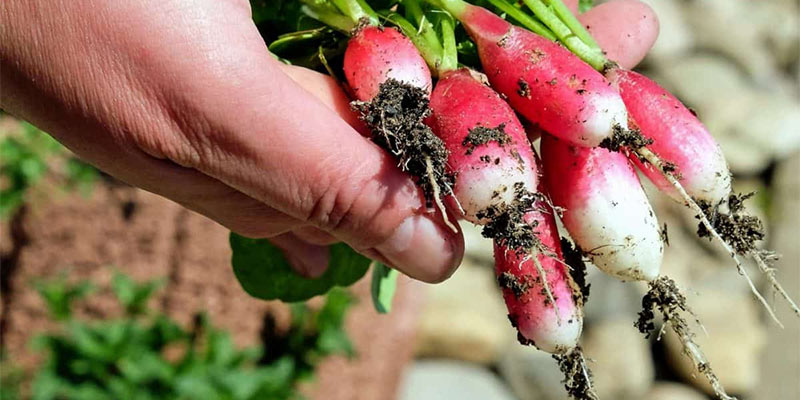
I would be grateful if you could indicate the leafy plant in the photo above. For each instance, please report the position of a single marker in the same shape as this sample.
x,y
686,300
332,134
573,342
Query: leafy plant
x,y
144,355
29,156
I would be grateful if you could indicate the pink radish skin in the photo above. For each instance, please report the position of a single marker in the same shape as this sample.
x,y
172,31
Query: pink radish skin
x,y
605,209
485,174
374,55
544,82
678,137
534,317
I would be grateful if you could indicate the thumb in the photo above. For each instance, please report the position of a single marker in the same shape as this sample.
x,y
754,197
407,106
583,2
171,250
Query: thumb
x,y
282,146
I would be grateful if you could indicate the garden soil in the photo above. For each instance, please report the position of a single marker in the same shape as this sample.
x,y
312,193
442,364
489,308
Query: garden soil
x,y
148,237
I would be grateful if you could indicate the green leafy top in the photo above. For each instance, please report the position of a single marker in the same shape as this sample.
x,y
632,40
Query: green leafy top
x,y
27,156
148,356
264,272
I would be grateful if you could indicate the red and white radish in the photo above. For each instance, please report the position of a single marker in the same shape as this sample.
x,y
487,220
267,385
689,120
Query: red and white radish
x,y
679,138
542,80
551,328
605,209
489,151
377,54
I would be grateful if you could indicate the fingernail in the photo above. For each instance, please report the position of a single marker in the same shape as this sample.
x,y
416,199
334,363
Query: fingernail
x,y
423,249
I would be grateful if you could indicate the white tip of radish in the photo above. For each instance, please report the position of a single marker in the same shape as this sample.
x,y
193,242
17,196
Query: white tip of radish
x,y
480,188
601,116
551,335
620,233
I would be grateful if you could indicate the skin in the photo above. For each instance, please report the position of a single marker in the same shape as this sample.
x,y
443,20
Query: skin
x,y
182,98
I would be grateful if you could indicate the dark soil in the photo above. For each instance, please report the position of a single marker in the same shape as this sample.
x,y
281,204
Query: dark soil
x,y
625,138
577,376
667,299
88,237
481,135
518,286
506,225
524,89
736,227
573,256
396,119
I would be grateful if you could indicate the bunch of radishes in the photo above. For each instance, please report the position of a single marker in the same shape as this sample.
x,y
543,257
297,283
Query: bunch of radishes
x,y
464,143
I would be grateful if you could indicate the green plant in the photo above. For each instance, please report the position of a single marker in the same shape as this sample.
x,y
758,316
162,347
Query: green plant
x,y
146,355
29,156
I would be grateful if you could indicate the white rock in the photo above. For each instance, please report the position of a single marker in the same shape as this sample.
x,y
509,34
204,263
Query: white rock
x,y
465,318
450,380
781,364
532,374
703,81
623,364
736,337
477,247
675,37
609,297
673,391
724,26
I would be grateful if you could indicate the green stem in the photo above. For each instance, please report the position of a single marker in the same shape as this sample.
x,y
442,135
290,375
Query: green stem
x,y
591,55
572,22
449,52
356,10
329,17
524,19
454,7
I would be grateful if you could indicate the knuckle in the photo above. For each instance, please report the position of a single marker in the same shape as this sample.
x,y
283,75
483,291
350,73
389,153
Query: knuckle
x,y
347,208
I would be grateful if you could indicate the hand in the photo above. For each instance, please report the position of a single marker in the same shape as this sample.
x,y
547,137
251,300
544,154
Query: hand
x,y
182,98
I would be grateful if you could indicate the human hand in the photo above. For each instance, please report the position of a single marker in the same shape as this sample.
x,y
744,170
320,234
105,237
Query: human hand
x,y
181,98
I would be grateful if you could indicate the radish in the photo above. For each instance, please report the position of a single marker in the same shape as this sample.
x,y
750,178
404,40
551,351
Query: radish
x,y
679,138
495,172
554,328
391,83
495,183
605,209
542,80
489,151
674,149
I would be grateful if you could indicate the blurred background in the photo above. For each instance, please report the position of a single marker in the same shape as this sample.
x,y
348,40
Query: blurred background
x,y
104,285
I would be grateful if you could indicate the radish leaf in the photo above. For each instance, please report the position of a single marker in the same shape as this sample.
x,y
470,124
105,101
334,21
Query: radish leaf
x,y
264,273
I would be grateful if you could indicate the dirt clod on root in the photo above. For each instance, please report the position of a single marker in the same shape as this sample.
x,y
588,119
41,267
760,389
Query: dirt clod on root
x,y
518,286
395,117
507,226
573,256
577,376
481,135
625,138
665,298
736,227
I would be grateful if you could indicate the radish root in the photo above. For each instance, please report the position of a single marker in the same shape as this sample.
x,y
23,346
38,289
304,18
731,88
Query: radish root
x,y
656,161
577,376
665,296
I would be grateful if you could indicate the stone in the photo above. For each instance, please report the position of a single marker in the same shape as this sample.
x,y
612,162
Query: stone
x,y
465,318
477,247
703,81
674,38
735,340
532,374
609,297
674,391
781,362
622,361
439,379
712,22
